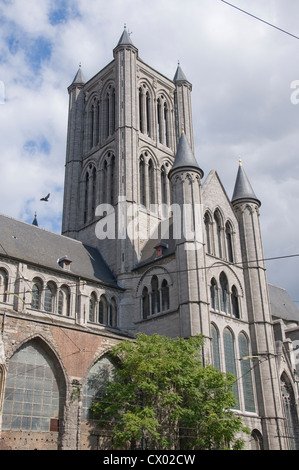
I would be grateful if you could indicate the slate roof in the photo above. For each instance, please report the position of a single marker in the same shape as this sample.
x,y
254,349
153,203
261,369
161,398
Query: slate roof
x,y
79,77
243,188
282,305
184,157
179,75
125,39
35,245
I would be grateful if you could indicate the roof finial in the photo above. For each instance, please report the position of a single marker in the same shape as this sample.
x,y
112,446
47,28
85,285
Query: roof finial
x,y
240,161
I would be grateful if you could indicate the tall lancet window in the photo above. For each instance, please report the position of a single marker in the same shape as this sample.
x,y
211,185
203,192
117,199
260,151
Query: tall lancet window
x,y
166,124
142,185
86,192
140,111
93,195
215,346
148,114
230,360
145,303
112,181
105,172
208,225
165,295
155,295
109,112
151,181
107,115
163,186
229,244
224,294
235,302
246,373
214,295
218,224
159,122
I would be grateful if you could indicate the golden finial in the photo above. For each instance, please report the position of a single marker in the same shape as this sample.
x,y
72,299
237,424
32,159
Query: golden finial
x,y
240,161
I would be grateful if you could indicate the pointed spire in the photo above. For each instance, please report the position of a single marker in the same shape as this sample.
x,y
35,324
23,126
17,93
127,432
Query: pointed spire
x,y
243,189
34,222
179,75
79,78
125,38
184,158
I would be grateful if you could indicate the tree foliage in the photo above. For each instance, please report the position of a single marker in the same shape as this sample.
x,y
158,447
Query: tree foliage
x,y
162,397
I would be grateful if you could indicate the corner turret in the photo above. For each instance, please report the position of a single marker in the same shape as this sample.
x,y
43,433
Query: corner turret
x,y
243,190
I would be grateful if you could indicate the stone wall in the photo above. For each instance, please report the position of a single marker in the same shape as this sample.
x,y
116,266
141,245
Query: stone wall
x,y
74,350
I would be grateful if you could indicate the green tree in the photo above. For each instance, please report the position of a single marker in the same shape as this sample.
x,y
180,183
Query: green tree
x,y
162,397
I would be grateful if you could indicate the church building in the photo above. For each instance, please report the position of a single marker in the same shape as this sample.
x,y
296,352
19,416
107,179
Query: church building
x,y
150,243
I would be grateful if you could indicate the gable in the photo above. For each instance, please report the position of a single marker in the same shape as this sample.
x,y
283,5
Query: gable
x,y
215,197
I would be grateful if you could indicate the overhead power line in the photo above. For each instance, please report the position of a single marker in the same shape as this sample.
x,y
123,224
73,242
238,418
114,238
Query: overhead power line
x,y
260,19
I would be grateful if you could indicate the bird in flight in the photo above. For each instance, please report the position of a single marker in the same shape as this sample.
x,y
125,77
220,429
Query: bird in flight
x,y
46,198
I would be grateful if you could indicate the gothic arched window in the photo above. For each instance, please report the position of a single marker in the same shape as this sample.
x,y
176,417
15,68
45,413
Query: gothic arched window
x,y
92,307
218,224
165,295
86,196
148,113
94,388
208,225
64,301
3,285
159,130
36,294
50,296
214,295
166,125
290,412
246,373
32,396
151,181
256,440
145,303
109,112
163,186
229,243
93,195
230,360
155,295
142,186
103,310
235,302
224,294
215,347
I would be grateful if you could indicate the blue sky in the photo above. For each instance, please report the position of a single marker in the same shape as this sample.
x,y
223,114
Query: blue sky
x,y
241,71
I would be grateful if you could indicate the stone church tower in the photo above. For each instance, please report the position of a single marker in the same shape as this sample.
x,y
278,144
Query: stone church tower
x,y
124,126
149,244
187,257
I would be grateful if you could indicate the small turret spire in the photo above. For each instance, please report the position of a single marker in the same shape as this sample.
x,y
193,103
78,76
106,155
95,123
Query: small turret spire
x,y
79,77
34,222
184,158
243,190
125,38
179,74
